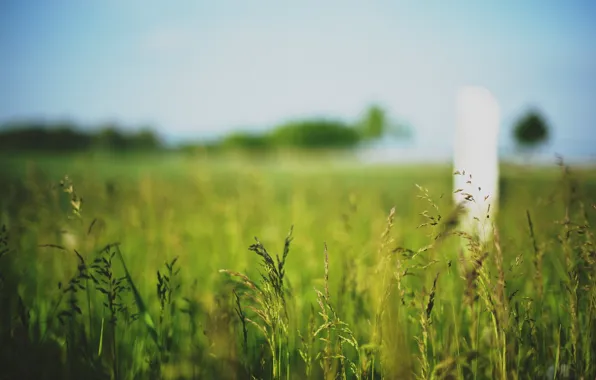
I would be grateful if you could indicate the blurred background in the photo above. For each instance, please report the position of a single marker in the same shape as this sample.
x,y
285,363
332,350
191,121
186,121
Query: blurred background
x,y
378,80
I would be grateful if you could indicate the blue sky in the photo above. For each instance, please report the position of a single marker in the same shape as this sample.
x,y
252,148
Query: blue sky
x,y
197,68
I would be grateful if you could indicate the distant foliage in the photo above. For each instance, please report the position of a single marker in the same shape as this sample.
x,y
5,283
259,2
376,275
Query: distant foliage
x,y
375,124
315,133
66,137
246,140
531,130
146,139
321,133
39,137
309,133
110,139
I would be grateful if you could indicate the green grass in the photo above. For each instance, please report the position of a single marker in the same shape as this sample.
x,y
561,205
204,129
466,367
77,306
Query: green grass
x,y
148,267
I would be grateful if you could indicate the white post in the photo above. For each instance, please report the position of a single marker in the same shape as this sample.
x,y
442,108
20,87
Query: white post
x,y
476,158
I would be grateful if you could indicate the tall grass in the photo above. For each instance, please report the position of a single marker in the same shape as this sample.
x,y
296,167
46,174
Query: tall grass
x,y
155,279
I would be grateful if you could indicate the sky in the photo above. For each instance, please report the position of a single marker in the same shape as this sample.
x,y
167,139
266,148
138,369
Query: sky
x,y
198,68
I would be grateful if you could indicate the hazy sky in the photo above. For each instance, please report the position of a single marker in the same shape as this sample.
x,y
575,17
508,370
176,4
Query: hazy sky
x,y
200,67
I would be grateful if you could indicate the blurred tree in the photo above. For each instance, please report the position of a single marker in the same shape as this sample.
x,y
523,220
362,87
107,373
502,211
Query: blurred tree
x,y
531,130
38,135
145,139
375,124
65,136
110,138
246,140
315,134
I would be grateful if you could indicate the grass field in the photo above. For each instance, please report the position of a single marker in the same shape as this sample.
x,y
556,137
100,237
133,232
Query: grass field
x,y
353,274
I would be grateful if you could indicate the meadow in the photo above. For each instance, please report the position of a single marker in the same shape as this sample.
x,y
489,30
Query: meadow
x,y
190,267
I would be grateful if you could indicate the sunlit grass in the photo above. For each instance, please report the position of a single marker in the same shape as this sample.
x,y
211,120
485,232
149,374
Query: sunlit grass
x,y
372,283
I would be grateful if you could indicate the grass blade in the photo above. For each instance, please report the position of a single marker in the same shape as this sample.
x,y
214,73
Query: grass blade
x,y
146,317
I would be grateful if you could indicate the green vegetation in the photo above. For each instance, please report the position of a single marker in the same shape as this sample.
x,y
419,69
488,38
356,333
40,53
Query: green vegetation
x,y
310,134
531,130
59,137
315,134
375,124
306,134
178,267
246,141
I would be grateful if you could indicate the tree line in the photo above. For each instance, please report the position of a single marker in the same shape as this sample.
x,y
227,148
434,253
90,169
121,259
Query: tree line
x,y
68,137
312,133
